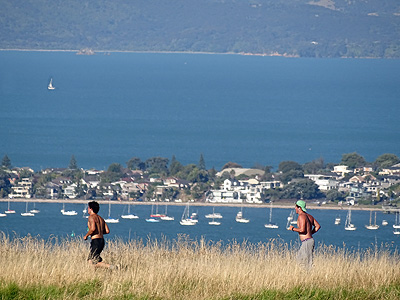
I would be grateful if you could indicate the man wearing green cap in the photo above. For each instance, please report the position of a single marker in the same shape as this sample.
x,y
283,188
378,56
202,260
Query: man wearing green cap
x,y
306,227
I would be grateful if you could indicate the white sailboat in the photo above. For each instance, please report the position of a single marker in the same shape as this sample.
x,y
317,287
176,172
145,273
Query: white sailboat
x,y
129,215
50,86
384,223
9,210
372,226
213,222
348,225
397,221
157,214
165,217
239,217
290,219
109,219
271,225
214,215
27,213
186,220
68,212
154,218
34,210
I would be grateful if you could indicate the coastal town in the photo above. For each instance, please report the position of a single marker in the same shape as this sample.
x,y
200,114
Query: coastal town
x,y
158,180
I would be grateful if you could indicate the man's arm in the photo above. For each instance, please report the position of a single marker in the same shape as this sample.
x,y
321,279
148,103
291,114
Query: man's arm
x,y
107,230
91,226
316,226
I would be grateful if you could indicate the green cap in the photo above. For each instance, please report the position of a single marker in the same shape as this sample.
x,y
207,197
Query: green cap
x,y
301,204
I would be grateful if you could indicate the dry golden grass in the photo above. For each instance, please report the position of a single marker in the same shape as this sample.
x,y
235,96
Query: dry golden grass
x,y
182,268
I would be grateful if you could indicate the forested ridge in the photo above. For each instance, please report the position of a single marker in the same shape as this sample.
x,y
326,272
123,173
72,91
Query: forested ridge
x,y
321,28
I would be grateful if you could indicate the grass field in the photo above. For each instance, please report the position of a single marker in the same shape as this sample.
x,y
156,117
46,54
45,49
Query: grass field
x,y
32,268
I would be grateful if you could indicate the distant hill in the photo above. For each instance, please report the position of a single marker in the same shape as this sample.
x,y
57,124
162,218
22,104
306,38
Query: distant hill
x,y
305,28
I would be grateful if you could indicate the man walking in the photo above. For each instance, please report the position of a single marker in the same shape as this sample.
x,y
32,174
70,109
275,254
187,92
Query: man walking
x,y
306,227
97,227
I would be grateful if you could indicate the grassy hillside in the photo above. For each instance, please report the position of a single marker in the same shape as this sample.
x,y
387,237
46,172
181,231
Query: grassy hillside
x,y
183,269
319,28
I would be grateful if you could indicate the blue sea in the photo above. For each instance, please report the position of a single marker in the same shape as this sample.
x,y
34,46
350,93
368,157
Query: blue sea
x,y
245,109
50,222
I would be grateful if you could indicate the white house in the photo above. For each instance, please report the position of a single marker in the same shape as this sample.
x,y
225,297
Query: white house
x,y
324,182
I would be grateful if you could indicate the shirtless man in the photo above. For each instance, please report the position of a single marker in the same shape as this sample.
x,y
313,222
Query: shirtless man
x,y
97,227
306,227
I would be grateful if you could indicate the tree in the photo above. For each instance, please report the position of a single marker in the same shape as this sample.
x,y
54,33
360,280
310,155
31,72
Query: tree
x,y
334,195
157,165
314,167
287,166
5,185
303,188
6,162
231,165
386,160
202,164
113,173
175,166
353,160
135,163
73,165
290,175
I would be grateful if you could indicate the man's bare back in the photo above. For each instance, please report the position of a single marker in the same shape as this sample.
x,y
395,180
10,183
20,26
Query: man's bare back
x,y
97,226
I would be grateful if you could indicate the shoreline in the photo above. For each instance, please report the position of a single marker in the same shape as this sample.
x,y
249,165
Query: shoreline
x,y
284,205
284,55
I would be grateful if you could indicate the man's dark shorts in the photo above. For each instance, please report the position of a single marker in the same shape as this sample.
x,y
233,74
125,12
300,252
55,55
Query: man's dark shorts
x,y
96,246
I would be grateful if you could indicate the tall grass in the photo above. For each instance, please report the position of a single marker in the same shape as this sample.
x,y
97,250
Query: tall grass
x,y
32,268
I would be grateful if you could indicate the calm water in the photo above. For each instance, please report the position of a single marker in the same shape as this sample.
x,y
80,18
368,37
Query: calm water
x,y
51,222
244,109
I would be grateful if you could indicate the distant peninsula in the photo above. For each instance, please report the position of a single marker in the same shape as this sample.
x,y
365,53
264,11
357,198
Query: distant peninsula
x,y
299,28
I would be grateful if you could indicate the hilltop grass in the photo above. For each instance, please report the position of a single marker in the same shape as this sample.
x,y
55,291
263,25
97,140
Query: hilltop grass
x,y
32,268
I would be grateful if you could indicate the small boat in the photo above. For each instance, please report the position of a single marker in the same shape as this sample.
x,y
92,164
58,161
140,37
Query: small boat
x,y
372,226
68,212
397,221
9,210
34,210
213,222
348,225
214,215
129,215
109,219
27,213
384,223
156,215
50,86
2,215
396,232
186,220
290,219
239,217
271,225
338,220
194,217
153,220
165,217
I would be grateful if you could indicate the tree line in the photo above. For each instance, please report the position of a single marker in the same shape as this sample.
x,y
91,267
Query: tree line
x,y
297,28
201,180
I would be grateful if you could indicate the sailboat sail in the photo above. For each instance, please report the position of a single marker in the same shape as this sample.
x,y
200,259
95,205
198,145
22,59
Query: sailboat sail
x,y
50,86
